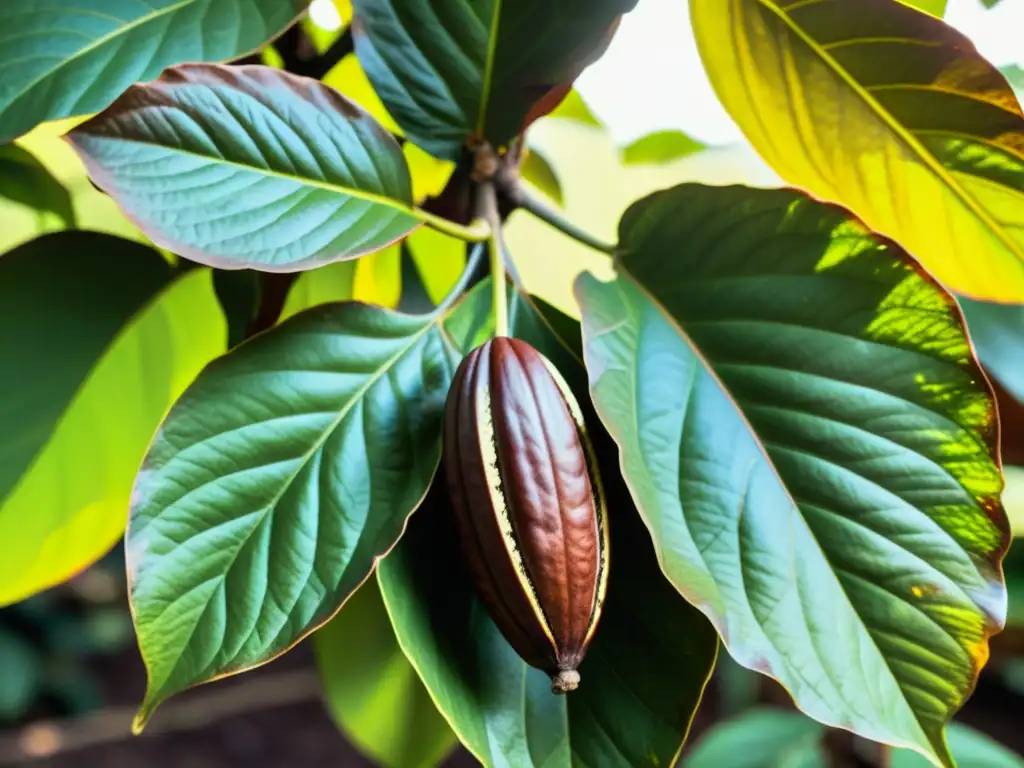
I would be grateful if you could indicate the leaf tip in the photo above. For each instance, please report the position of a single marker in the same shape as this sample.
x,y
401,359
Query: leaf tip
x,y
145,714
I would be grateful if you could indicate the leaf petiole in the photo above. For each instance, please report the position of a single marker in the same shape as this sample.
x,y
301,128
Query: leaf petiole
x,y
526,200
477,231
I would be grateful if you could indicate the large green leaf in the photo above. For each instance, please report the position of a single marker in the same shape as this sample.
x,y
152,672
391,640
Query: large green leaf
x,y
773,738
276,483
624,715
373,692
98,335
25,180
811,444
760,738
450,71
72,57
998,334
889,111
250,167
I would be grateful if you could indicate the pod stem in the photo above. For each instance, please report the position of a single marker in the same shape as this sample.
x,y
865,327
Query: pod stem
x,y
566,680
499,292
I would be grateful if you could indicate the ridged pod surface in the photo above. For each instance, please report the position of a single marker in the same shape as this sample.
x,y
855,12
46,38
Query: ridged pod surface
x,y
528,502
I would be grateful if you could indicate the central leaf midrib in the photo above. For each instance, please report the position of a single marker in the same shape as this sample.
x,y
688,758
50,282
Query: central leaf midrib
x,y
904,135
355,192
492,52
796,509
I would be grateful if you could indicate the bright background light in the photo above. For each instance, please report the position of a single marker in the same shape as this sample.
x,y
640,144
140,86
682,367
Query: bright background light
x,y
651,77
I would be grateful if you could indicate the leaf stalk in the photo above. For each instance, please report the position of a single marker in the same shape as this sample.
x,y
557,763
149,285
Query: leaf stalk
x,y
522,197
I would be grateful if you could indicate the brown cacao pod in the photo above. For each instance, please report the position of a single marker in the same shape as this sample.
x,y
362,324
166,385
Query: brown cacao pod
x,y
529,505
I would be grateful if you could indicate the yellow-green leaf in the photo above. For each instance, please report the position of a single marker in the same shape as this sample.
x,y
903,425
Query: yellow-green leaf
x,y
87,396
372,690
889,111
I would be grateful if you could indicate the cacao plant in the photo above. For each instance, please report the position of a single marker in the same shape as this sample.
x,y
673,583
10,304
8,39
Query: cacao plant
x,y
322,324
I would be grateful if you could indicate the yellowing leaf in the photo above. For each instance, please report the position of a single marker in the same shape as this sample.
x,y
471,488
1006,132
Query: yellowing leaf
x,y
889,111
378,278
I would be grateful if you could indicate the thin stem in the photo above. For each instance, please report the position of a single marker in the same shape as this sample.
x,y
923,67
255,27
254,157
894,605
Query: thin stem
x,y
476,254
478,230
499,291
523,198
499,294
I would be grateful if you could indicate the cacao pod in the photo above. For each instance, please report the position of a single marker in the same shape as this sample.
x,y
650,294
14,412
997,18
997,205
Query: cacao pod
x,y
528,501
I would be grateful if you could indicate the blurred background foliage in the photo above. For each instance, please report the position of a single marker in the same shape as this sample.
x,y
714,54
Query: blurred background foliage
x,y
68,651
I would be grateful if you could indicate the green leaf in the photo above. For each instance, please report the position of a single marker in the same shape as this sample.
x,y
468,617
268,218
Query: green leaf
x,y
1014,569
373,692
660,147
573,107
888,111
99,336
934,7
760,738
23,676
970,748
1015,77
772,738
25,180
538,172
257,168
623,715
62,58
439,258
998,334
1013,499
332,282
454,70
812,447
275,483
238,292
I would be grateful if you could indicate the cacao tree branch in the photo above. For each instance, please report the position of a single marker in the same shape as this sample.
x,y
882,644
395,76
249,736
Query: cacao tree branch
x,y
519,195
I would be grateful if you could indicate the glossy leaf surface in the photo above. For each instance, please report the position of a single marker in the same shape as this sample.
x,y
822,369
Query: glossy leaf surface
x,y
503,710
99,336
453,70
62,58
811,444
275,484
25,180
888,111
998,334
373,692
249,167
